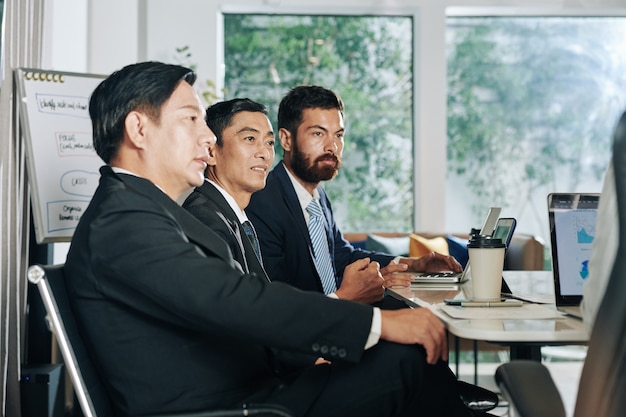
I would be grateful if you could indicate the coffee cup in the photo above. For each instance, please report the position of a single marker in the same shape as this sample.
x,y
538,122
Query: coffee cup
x,y
486,258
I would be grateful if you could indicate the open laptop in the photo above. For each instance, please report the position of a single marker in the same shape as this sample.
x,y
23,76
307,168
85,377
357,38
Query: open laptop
x,y
456,277
572,218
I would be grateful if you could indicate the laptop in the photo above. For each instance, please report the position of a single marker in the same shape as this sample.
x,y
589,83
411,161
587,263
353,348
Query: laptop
x,y
456,277
572,218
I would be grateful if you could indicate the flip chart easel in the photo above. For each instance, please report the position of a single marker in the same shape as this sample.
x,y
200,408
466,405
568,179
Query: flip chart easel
x,y
61,163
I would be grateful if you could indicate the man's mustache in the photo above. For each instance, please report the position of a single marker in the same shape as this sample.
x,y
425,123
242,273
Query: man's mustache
x,y
327,157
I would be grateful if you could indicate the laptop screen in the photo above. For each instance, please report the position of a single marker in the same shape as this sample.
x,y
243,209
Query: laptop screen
x,y
572,219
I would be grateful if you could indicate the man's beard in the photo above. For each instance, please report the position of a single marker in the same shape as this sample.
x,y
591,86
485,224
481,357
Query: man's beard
x,y
310,171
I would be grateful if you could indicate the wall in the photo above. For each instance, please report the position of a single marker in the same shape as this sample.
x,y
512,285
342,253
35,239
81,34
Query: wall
x,y
124,31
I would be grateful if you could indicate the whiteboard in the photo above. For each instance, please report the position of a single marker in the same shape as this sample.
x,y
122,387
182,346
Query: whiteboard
x,y
62,165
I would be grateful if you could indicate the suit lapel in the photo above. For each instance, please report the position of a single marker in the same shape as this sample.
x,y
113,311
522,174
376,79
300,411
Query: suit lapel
x,y
250,260
293,204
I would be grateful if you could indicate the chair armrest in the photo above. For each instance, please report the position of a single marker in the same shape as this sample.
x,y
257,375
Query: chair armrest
x,y
530,390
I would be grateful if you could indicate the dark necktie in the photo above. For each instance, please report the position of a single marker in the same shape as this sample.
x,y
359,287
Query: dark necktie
x,y
251,233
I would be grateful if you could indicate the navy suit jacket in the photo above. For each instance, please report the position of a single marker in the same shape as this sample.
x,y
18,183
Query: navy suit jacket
x,y
171,321
277,216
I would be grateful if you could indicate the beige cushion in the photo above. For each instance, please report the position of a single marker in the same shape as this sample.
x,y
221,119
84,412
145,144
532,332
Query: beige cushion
x,y
420,245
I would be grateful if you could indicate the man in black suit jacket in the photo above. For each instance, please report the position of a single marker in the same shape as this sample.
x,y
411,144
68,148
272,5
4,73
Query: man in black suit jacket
x,y
238,166
173,323
311,130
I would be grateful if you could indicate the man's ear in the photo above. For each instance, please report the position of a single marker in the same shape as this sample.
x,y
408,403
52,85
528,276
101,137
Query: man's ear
x,y
135,126
212,151
285,139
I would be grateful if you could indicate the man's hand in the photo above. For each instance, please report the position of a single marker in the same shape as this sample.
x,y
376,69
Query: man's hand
x,y
394,275
433,262
362,282
416,326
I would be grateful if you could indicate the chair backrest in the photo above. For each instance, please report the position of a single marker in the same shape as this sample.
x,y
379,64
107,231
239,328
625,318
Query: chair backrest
x,y
90,392
602,388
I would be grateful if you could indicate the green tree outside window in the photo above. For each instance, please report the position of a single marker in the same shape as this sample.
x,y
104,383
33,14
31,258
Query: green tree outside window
x,y
368,61
532,103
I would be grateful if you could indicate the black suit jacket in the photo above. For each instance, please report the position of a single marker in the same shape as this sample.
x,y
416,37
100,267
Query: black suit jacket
x,y
209,206
284,236
171,321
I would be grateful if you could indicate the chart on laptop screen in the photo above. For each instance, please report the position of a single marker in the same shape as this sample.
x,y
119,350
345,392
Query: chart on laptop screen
x,y
575,229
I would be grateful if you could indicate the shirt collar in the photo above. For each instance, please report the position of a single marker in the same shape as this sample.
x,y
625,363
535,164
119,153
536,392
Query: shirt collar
x,y
304,197
119,170
241,215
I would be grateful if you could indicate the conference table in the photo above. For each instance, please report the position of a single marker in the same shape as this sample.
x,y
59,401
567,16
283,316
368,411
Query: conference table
x,y
524,329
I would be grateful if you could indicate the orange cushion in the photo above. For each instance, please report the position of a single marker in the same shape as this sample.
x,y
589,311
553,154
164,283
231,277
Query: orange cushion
x,y
420,246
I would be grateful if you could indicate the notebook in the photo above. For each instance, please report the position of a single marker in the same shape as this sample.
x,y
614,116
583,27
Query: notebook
x,y
456,277
572,218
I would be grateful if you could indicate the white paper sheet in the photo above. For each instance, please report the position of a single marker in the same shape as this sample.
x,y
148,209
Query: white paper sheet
x,y
525,312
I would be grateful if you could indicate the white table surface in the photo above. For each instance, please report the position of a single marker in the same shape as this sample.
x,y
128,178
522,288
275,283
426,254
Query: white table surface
x,y
535,284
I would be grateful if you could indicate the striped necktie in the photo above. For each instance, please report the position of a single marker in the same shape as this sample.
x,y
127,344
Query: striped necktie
x,y
251,233
321,253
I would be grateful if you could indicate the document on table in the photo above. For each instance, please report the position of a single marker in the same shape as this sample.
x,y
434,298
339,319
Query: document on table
x,y
525,312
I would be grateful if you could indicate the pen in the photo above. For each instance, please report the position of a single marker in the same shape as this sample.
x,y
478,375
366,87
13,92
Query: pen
x,y
491,304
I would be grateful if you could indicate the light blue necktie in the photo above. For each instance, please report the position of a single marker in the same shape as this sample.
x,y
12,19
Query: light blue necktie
x,y
321,253
251,233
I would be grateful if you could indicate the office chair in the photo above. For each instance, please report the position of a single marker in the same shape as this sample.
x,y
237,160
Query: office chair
x,y
602,387
89,389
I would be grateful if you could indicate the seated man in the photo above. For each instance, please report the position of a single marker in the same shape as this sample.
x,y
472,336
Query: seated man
x,y
172,321
311,131
238,166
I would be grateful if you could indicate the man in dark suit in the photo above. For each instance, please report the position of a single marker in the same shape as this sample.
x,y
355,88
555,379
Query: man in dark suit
x,y
173,323
238,166
311,131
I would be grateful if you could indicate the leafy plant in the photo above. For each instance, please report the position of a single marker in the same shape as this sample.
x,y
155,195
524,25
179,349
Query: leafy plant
x,y
206,88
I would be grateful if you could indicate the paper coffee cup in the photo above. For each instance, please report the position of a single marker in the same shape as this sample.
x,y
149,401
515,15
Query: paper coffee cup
x,y
486,258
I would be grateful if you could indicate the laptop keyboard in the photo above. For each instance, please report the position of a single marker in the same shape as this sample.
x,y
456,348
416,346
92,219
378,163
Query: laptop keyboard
x,y
438,274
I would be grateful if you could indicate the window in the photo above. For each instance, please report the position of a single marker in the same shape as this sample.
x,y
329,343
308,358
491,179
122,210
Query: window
x,y
532,103
368,60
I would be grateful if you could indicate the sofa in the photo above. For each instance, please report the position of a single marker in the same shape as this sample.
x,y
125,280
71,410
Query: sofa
x,y
525,252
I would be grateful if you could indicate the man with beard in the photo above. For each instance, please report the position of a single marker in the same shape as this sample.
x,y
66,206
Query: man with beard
x,y
311,132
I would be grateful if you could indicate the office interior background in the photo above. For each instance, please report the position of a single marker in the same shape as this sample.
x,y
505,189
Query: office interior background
x,y
451,106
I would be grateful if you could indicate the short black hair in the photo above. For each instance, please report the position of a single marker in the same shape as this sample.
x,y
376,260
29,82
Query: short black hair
x,y
143,86
305,97
220,115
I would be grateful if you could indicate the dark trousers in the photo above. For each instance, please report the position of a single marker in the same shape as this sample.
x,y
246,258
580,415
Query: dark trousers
x,y
390,380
